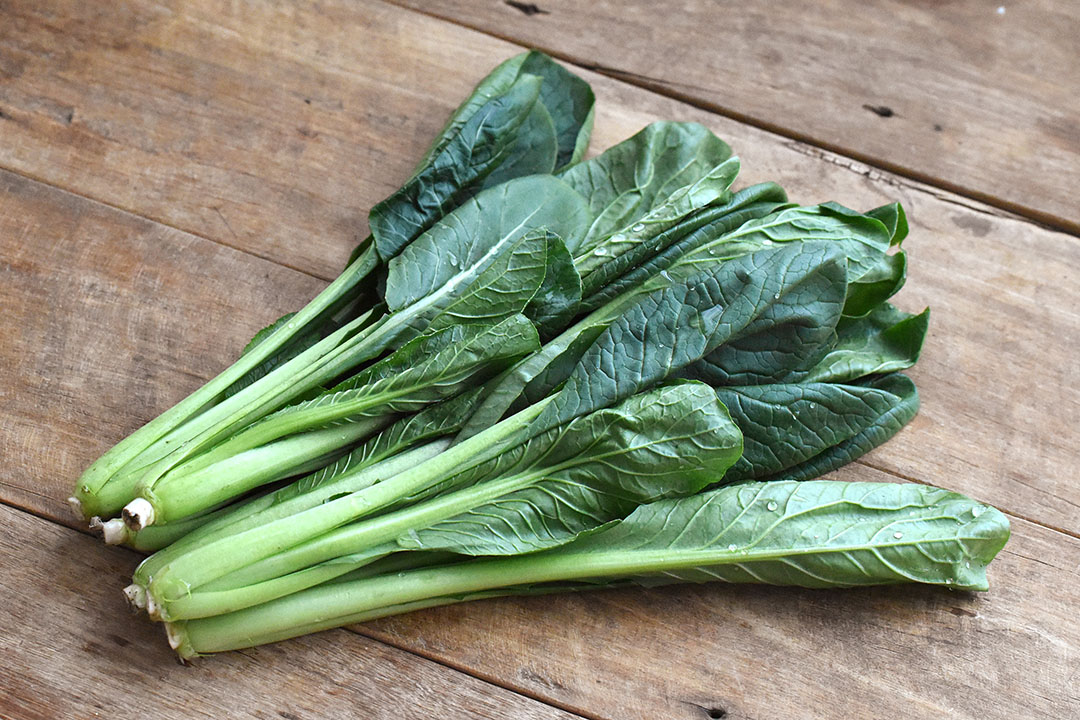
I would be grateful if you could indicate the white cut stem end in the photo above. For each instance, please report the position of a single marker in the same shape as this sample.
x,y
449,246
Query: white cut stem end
x,y
138,514
115,531
175,636
136,597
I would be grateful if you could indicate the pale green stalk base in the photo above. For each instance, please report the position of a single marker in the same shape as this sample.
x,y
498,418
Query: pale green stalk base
x,y
208,561
283,504
97,495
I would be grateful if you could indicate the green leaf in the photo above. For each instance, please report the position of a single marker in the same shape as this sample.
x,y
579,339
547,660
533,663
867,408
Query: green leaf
x,y
814,534
464,155
633,244
785,336
893,217
533,152
876,285
560,295
425,370
787,424
527,116
863,240
569,102
481,261
899,414
670,441
628,180
631,269
695,309
432,422
884,341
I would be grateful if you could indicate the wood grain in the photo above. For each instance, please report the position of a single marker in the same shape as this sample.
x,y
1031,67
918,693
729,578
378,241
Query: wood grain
x,y
108,320
969,95
740,652
72,649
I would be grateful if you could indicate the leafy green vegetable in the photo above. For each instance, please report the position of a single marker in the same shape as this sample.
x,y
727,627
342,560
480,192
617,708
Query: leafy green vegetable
x,y
541,374
484,130
885,341
480,263
494,131
542,491
787,426
812,534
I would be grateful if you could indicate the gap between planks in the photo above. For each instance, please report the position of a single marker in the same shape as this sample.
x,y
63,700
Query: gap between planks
x,y
358,630
483,677
802,143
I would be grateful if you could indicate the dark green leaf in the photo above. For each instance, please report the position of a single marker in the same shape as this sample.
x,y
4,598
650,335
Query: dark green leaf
x,y
560,295
900,413
693,312
668,442
631,269
812,534
876,285
628,180
894,219
884,341
457,162
787,424
569,102
481,261
533,152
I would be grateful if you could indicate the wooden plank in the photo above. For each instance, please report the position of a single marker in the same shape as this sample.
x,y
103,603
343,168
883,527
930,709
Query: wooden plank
x,y
109,319
967,95
709,651
234,133
71,649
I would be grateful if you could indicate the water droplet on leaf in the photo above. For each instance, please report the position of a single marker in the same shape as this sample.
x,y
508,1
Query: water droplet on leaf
x,y
772,505
898,534
638,228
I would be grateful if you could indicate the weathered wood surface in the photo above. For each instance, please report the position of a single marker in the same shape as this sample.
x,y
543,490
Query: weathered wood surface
x,y
72,649
994,390
110,317
974,96
758,652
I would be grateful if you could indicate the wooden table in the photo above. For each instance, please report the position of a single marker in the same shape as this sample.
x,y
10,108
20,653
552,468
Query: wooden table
x,y
175,174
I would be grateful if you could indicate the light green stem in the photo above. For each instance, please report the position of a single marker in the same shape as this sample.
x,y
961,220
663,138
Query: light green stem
x,y
283,503
95,491
211,560
179,495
